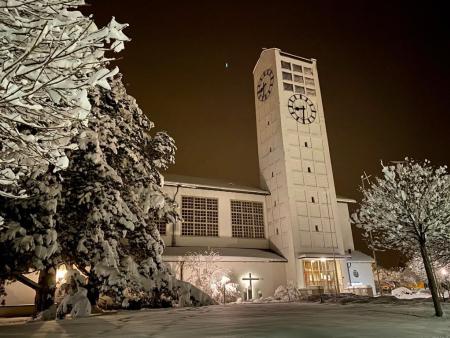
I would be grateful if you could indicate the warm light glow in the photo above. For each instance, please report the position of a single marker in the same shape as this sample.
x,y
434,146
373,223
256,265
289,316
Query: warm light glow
x,y
444,272
224,280
323,259
61,273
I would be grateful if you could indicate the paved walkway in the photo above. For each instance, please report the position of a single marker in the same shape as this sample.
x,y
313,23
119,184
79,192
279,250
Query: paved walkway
x,y
250,320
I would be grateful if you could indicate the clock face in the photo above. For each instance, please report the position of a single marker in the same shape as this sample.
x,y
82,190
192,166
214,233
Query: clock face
x,y
302,109
265,85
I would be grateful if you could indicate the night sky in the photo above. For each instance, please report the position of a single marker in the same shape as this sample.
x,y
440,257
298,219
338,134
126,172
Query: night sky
x,y
384,72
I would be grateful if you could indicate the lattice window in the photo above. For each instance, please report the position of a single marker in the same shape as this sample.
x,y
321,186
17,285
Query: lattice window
x,y
200,216
247,219
162,226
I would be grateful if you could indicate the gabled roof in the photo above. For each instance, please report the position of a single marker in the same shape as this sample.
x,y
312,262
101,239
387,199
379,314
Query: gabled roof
x,y
210,184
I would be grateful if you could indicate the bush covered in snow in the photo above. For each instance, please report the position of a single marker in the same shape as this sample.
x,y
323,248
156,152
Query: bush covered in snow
x,y
288,293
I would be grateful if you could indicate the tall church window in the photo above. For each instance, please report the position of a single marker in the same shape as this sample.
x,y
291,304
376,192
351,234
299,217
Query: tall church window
x,y
200,216
247,219
285,65
162,226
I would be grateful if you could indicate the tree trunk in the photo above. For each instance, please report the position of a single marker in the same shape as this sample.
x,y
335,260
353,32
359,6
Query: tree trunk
x,y
45,295
431,280
93,288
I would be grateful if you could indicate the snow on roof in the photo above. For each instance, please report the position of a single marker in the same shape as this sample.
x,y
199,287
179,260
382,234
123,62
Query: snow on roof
x,y
223,185
343,199
358,256
172,253
210,184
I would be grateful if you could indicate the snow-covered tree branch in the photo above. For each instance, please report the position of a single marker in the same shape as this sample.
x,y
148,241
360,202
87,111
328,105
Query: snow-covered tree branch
x,y
408,209
50,56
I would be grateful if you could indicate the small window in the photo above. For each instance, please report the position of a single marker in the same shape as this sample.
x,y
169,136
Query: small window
x,y
274,203
272,174
278,232
298,78
309,169
317,228
306,144
288,86
309,82
287,76
299,89
313,200
310,92
297,68
268,123
270,149
308,71
285,65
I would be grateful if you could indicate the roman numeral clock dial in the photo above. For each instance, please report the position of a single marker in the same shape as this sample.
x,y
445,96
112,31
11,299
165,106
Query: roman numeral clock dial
x,y
302,109
265,85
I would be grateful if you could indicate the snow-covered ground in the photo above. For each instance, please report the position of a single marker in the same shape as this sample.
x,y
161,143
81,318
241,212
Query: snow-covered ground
x,y
307,320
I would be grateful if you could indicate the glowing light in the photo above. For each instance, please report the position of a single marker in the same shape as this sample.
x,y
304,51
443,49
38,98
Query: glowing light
x,y
61,273
323,259
444,272
225,280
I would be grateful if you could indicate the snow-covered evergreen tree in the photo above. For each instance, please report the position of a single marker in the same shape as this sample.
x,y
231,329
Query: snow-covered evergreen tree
x,y
111,198
408,209
50,56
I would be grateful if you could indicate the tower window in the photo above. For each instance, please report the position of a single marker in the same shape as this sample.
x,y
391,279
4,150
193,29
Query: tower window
x,y
310,92
306,144
270,149
268,123
308,71
287,76
309,169
274,203
272,174
317,228
278,232
285,65
309,82
299,89
297,68
288,86
313,199
298,78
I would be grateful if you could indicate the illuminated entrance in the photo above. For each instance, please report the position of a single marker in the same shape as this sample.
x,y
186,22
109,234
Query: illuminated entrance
x,y
321,272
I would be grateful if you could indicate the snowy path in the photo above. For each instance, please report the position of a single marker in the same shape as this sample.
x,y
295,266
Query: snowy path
x,y
251,320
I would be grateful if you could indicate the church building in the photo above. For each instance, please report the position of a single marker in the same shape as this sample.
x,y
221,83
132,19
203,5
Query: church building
x,y
293,228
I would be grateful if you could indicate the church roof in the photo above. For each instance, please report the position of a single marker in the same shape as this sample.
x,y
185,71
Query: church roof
x,y
173,253
211,184
223,185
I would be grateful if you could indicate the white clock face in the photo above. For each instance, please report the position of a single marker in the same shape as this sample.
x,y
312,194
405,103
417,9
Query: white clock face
x,y
265,85
302,109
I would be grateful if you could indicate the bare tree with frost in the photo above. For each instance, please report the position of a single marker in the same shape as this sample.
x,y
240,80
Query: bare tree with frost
x,y
408,209
50,56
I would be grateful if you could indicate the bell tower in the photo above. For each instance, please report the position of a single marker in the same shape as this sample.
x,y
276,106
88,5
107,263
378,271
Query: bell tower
x,y
294,160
